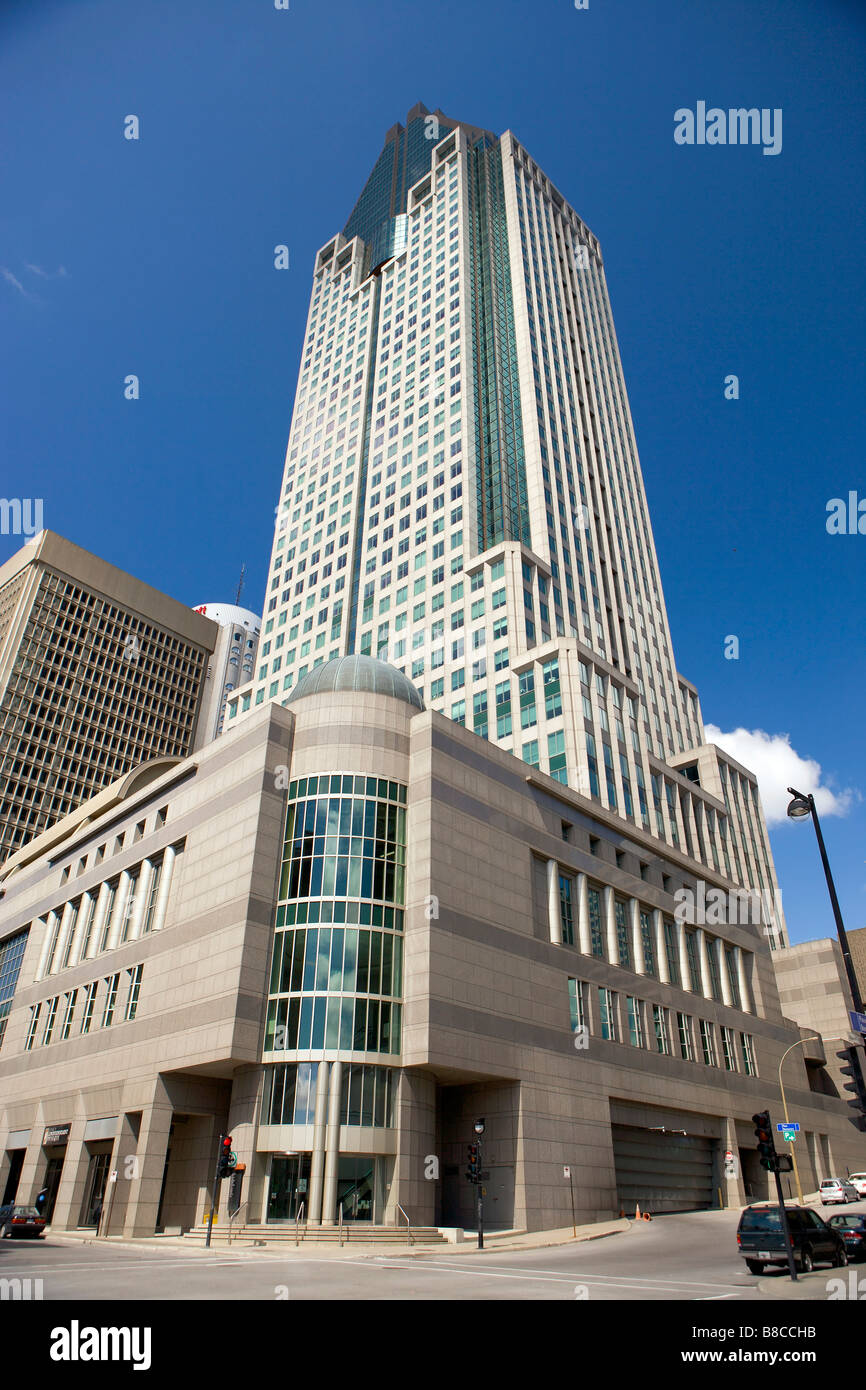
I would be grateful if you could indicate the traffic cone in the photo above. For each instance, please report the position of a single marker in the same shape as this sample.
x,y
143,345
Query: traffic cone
x,y
637,1212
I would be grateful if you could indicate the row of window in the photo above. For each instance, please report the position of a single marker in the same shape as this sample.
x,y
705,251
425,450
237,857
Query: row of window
x,y
54,1020
654,1026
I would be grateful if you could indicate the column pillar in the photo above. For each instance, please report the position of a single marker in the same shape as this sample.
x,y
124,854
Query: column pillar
x,y
661,949
724,980
117,911
610,927
142,892
636,937
703,960
161,906
332,1146
98,921
584,935
685,973
742,975
317,1161
554,911
63,937
142,1201
50,924
78,938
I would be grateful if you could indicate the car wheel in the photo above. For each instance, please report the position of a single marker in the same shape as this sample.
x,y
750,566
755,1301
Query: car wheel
x,y
806,1263
841,1260
755,1266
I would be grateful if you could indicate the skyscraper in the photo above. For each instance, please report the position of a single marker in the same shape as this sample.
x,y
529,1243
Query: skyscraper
x,y
98,674
462,495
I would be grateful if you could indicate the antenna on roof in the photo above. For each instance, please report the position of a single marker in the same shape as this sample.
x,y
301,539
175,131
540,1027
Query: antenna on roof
x,y
241,583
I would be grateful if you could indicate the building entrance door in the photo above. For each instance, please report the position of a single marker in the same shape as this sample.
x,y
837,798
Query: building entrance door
x,y
288,1187
355,1188
51,1184
94,1189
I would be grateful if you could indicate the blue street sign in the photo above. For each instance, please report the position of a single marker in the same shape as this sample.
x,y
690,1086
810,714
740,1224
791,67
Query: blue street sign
x,y
788,1124
858,1022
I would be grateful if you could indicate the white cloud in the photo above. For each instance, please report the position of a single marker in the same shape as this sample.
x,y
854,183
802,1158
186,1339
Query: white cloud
x,y
14,281
46,274
778,766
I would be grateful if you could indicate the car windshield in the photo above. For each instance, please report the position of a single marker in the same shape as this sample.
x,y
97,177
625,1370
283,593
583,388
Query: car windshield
x,y
832,1182
848,1223
25,1211
760,1221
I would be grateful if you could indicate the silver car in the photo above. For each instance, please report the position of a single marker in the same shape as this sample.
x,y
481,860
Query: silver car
x,y
835,1190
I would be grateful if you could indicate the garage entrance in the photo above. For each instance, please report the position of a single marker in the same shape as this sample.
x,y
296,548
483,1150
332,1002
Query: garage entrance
x,y
663,1171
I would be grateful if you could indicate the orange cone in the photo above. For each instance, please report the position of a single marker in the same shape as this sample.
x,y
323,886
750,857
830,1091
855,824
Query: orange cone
x,y
637,1212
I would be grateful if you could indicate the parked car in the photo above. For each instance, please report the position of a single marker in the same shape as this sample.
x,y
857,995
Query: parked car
x,y
21,1221
761,1240
852,1229
858,1180
838,1190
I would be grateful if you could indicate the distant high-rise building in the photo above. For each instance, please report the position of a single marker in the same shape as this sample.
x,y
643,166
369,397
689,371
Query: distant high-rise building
x,y
231,665
462,495
98,673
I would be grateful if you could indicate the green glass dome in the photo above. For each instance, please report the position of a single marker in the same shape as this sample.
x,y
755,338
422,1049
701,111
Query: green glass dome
x,y
356,673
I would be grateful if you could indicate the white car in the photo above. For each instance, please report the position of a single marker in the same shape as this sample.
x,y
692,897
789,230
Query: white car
x,y
838,1190
858,1180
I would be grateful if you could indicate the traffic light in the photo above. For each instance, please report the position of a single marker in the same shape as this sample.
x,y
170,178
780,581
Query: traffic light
x,y
764,1135
473,1172
226,1161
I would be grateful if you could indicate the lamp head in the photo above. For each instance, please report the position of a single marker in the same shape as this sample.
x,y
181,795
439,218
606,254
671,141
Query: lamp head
x,y
800,807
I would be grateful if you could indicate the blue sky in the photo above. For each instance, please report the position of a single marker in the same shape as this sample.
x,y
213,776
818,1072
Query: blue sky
x,y
259,127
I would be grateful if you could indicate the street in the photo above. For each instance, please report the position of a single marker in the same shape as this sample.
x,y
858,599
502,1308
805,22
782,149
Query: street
x,y
688,1257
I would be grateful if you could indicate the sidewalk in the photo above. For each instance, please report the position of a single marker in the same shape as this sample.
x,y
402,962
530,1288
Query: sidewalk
x,y
355,1246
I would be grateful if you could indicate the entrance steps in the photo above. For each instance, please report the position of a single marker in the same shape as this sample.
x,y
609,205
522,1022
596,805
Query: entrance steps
x,y
358,1233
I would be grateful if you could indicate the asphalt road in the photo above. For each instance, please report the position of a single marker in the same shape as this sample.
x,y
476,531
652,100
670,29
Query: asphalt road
x,y
691,1257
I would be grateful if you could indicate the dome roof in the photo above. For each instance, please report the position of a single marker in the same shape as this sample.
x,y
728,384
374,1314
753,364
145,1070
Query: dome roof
x,y
359,673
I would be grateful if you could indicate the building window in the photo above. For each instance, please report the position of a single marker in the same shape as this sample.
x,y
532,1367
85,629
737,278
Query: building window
x,y
89,1002
11,955
35,1010
660,1027
49,1021
111,984
68,1015
694,963
607,1012
728,1050
152,894
132,995
595,933
712,945
708,1043
684,1028
646,936
566,909
619,909
748,1050
577,1004
672,954
733,975
635,1024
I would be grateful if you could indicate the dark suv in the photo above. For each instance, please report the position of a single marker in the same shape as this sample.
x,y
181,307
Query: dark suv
x,y
761,1242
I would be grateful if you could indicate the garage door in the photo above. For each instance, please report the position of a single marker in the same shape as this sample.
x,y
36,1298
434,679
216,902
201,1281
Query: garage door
x,y
662,1172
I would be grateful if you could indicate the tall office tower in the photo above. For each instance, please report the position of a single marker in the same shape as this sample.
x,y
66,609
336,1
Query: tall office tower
x,y
98,673
462,495
230,666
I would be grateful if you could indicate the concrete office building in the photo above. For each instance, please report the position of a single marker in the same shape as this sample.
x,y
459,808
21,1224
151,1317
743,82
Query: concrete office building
x,y
231,665
462,496
813,989
98,673
342,932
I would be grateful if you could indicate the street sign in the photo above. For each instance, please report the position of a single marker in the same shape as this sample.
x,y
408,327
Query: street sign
x,y
788,1124
789,1135
729,1153
566,1172
858,1021
112,1177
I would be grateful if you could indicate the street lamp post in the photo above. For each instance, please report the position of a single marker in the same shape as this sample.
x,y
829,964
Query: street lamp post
x,y
479,1130
803,805
815,1038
